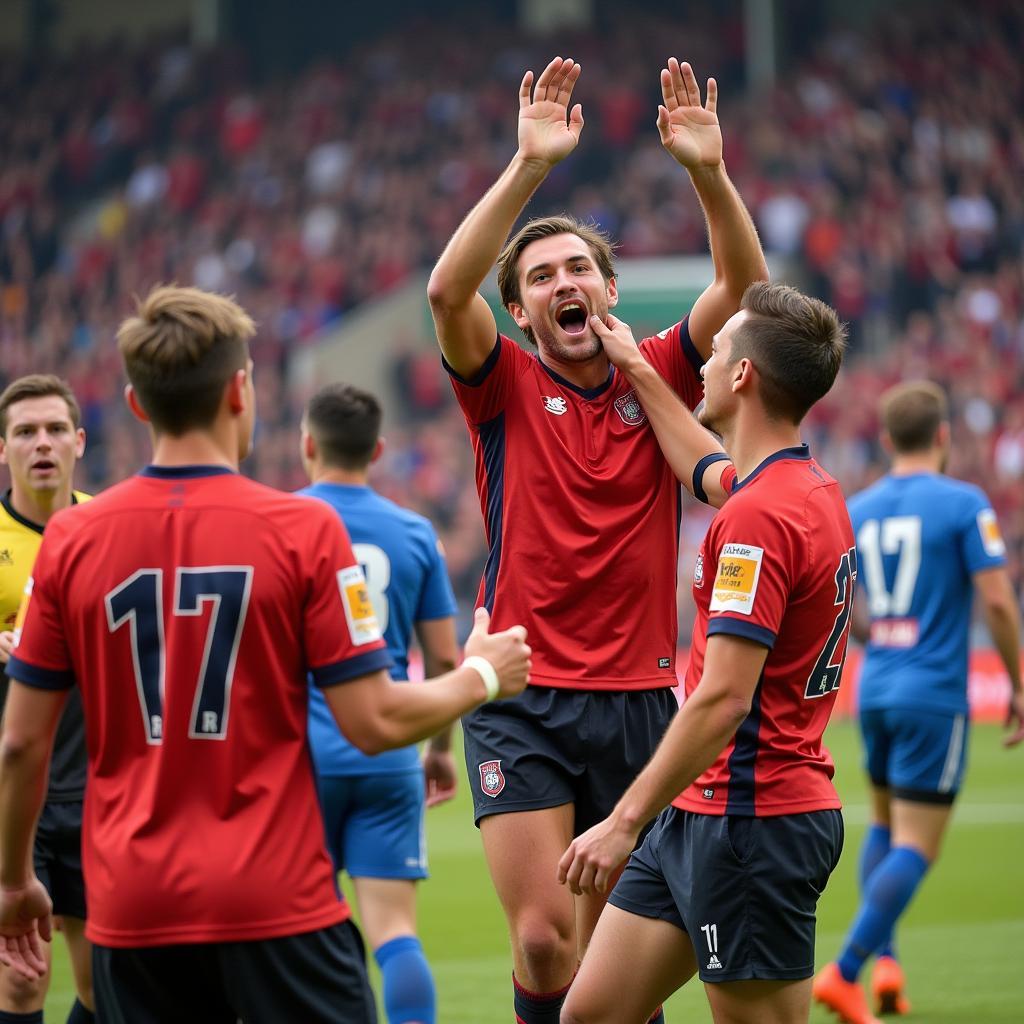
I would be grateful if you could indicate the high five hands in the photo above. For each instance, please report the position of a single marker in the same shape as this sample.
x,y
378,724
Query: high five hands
x,y
549,130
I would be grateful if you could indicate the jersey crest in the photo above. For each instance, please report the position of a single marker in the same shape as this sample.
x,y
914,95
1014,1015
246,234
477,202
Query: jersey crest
x,y
6,558
492,779
555,406
630,411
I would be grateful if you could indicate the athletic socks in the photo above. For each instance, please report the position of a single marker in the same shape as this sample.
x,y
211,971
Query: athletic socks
x,y
80,1015
407,984
537,1007
872,853
9,1017
888,891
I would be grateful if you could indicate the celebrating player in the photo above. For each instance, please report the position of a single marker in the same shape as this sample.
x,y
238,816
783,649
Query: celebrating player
x,y
40,441
189,604
925,544
373,806
727,881
581,510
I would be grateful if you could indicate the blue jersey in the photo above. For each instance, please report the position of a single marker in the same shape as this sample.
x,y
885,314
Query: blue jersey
x,y
408,583
920,540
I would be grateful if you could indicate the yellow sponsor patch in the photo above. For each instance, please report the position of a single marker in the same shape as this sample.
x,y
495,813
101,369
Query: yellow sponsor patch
x,y
991,538
739,568
355,599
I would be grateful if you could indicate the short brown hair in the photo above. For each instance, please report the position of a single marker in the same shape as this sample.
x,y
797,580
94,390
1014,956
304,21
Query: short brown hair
x,y
38,385
597,241
912,413
179,350
795,342
345,423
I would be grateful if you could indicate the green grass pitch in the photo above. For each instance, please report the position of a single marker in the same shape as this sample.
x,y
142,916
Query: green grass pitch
x,y
961,942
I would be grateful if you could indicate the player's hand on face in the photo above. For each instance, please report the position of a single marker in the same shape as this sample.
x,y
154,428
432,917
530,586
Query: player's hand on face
x,y
6,646
618,342
548,130
1015,719
25,923
689,131
507,651
440,776
590,863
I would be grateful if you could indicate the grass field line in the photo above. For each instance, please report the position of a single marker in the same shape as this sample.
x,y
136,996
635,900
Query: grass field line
x,y
967,814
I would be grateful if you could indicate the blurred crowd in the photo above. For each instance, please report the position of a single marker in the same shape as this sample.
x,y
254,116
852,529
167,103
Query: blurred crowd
x,y
883,166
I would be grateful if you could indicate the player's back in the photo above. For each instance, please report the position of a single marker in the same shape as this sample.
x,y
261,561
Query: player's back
x,y
920,538
407,583
193,602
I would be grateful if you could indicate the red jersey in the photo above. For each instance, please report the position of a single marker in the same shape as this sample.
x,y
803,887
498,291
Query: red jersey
x,y
189,603
581,512
777,566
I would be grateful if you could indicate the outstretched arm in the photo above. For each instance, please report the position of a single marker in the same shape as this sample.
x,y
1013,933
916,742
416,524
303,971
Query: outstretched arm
x,y
697,735
696,457
692,134
548,132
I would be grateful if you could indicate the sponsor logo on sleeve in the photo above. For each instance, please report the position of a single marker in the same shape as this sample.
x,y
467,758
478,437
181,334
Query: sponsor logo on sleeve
x,y
698,570
630,411
735,587
492,779
363,626
991,538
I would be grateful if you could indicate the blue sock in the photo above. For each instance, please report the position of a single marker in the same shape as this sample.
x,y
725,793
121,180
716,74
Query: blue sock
x,y
890,888
80,1014
872,853
408,985
537,1007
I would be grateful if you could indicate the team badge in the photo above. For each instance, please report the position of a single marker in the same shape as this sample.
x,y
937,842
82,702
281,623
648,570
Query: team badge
x,y
630,411
6,558
555,406
735,586
492,779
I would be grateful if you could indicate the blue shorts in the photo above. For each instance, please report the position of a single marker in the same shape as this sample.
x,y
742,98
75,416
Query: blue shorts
x,y
745,890
918,755
374,824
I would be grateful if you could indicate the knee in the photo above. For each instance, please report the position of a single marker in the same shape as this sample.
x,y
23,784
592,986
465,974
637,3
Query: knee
x,y
20,994
544,942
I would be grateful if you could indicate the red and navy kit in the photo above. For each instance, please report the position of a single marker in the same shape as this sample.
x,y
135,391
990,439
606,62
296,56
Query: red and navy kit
x,y
189,603
582,514
778,567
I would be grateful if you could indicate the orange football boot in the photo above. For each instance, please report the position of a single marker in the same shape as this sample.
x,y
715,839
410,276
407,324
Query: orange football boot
x,y
887,985
846,999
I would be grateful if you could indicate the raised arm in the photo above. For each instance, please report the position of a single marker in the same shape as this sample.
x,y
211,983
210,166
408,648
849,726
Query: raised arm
x,y
548,132
695,455
692,134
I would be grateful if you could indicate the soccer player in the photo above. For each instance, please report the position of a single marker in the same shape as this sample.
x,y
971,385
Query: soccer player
x,y
373,806
925,545
41,439
188,604
727,881
580,508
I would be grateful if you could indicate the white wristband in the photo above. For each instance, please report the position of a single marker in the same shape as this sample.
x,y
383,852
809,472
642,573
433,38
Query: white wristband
x,y
487,673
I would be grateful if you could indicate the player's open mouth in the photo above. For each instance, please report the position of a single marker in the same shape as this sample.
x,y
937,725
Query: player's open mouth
x,y
572,317
44,465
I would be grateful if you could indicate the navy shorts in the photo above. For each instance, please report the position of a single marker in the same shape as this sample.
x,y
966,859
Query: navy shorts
x,y
318,977
57,856
374,824
745,890
919,755
551,746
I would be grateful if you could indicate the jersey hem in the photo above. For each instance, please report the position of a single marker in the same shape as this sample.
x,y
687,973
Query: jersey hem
x,y
610,685
758,810
188,934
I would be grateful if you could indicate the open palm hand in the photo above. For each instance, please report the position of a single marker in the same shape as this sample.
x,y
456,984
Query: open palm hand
x,y
689,131
548,131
